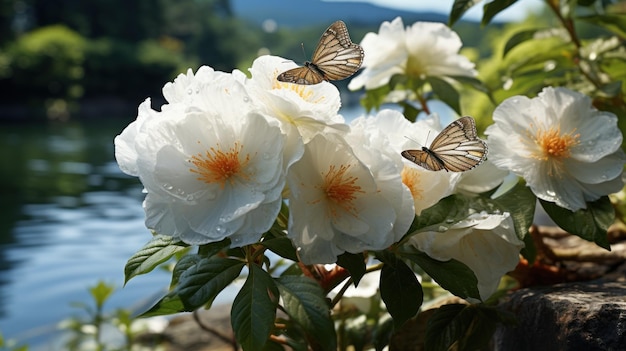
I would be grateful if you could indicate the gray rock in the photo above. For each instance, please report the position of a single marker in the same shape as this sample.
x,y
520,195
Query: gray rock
x,y
574,316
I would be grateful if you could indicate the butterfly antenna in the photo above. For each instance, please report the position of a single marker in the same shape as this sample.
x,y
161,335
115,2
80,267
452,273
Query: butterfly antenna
x,y
303,51
413,140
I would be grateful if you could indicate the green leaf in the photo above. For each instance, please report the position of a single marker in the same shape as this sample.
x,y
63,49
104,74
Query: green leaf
x,y
169,304
442,330
354,263
615,23
536,33
450,209
201,283
518,38
520,202
254,309
158,250
459,8
473,82
374,98
590,224
492,8
282,246
210,249
452,275
409,111
467,327
305,303
400,290
181,267
101,292
446,93
198,285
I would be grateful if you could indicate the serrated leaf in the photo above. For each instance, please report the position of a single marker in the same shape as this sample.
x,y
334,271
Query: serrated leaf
x,y
446,93
254,309
492,8
452,275
400,290
282,246
158,250
459,8
590,224
354,263
305,303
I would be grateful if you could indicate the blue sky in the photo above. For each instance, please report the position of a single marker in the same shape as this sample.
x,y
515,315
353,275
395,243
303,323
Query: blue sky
x,y
515,12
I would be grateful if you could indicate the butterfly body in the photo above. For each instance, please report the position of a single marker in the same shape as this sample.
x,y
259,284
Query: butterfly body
x,y
456,149
336,57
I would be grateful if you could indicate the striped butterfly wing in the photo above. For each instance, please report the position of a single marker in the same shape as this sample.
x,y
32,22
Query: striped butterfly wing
x,y
306,75
336,57
456,149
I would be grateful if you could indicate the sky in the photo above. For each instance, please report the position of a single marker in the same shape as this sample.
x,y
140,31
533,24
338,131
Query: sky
x,y
515,12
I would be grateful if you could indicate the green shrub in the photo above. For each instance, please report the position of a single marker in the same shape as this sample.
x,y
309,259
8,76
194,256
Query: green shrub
x,y
46,63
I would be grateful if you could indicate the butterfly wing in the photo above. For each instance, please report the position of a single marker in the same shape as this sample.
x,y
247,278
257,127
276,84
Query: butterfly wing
x,y
424,158
306,75
336,57
456,149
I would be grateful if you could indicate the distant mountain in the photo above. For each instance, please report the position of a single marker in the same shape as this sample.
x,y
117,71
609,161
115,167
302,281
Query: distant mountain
x,y
300,13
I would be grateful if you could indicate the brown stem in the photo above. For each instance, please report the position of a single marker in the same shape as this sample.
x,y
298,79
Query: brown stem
x,y
225,338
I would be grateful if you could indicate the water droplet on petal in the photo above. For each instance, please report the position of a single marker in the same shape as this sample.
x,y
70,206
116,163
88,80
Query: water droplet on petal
x,y
246,99
220,229
189,91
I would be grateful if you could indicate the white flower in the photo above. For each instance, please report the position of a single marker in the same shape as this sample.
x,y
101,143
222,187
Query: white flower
x,y
301,110
566,151
426,187
373,147
424,49
336,204
487,244
212,167
481,179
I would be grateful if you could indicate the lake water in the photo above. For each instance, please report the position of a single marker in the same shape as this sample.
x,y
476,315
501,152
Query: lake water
x,y
69,219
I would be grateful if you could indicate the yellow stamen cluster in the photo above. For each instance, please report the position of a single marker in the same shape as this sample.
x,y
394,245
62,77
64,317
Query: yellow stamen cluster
x,y
340,188
219,166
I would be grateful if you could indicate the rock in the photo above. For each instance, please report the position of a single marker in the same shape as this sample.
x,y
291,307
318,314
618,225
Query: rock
x,y
571,316
184,333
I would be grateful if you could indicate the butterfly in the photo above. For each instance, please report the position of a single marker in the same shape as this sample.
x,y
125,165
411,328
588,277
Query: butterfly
x,y
336,57
455,149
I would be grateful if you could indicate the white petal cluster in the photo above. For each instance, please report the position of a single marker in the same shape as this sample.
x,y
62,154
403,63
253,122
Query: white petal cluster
x,y
421,50
486,243
211,165
567,151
